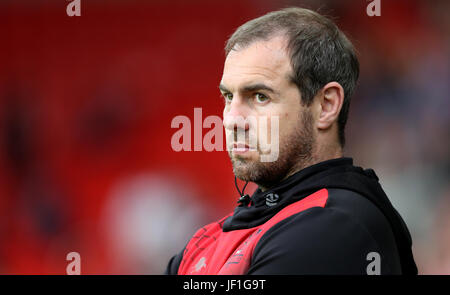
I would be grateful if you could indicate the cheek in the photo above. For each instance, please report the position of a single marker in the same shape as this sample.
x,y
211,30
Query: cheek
x,y
288,124
276,125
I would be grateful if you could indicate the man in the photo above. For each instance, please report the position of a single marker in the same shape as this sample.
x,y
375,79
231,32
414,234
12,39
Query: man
x,y
313,212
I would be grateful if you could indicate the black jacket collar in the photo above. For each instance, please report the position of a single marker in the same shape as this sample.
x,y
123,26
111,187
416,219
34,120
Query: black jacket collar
x,y
286,188
299,185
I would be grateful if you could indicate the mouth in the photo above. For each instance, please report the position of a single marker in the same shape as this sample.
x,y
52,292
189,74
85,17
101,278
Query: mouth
x,y
240,148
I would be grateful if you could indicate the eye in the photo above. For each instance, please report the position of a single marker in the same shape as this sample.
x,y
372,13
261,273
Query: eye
x,y
228,96
261,98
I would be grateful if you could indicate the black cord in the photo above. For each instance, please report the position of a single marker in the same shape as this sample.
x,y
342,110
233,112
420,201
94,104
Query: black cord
x,y
244,200
237,187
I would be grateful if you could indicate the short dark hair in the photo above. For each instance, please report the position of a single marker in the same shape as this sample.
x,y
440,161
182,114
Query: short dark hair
x,y
319,52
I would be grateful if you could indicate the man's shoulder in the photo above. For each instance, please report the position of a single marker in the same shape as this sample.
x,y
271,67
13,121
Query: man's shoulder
x,y
348,204
362,211
345,208
342,233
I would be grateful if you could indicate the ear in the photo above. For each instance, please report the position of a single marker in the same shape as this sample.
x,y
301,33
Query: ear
x,y
330,104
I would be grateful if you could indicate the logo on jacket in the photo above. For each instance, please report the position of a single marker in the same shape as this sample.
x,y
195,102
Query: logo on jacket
x,y
200,264
272,199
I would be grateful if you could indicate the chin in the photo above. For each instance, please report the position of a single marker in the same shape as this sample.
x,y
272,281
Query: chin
x,y
243,174
241,168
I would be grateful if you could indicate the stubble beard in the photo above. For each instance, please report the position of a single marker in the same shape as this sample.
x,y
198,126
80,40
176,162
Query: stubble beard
x,y
295,154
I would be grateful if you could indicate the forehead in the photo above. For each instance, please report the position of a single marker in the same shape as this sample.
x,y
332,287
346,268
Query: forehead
x,y
261,61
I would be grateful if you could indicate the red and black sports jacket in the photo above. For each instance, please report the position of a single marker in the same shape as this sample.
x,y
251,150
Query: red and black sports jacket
x,y
329,218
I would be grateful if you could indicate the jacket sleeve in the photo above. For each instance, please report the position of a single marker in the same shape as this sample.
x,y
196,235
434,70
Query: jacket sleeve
x,y
316,241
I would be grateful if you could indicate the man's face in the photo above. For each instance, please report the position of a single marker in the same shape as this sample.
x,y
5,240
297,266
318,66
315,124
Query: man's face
x,y
256,85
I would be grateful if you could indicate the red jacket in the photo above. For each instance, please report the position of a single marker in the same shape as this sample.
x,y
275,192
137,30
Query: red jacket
x,y
212,251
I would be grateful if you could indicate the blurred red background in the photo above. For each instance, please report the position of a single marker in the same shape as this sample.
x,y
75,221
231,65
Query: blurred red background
x,y
86,105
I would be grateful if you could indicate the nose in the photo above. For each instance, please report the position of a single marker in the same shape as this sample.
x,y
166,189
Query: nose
x,y
235,115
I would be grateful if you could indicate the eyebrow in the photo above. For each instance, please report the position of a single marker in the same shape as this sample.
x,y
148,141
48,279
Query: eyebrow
x,y
250,88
